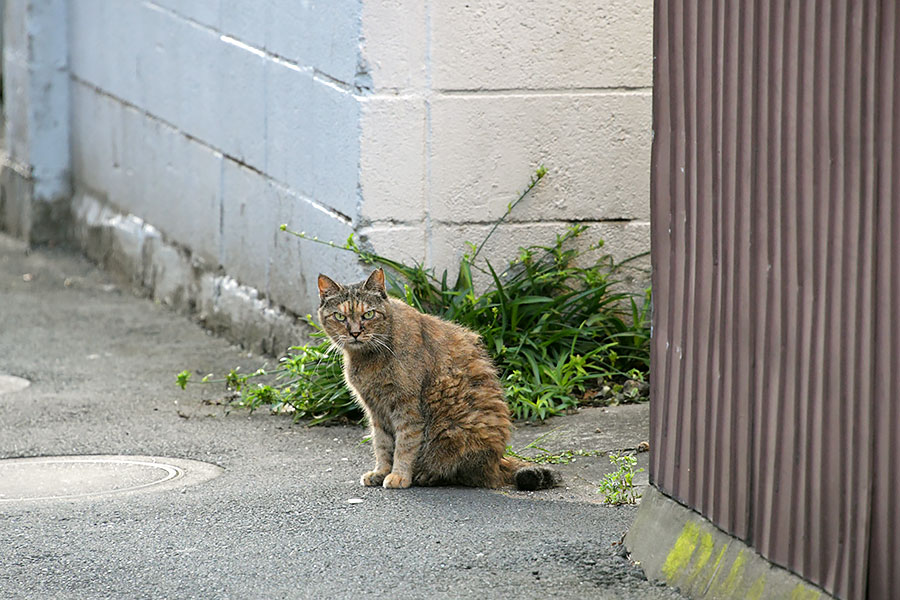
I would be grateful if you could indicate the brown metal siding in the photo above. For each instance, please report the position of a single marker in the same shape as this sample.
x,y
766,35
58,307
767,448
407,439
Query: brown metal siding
x,y
776,249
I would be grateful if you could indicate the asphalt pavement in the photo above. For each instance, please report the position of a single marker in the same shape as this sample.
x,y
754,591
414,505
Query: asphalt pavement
x,y
280,512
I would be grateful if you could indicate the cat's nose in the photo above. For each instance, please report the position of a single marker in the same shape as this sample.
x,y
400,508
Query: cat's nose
x,y
355,334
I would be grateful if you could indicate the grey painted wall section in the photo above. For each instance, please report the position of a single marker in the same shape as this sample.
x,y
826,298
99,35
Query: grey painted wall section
x,y
216,142
412,124
35,174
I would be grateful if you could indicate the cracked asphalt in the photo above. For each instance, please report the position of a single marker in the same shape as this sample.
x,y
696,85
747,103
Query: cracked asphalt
x,y
278,521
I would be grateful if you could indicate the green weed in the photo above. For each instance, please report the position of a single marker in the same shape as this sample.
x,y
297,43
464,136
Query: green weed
x,y
552,319
544,456
618,487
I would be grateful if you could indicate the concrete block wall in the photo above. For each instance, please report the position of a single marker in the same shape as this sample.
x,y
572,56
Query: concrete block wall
x,y
485,92
411,123
34,170
216,123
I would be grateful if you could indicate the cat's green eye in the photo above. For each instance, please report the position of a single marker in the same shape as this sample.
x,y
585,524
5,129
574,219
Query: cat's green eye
x,y
369,314
339,317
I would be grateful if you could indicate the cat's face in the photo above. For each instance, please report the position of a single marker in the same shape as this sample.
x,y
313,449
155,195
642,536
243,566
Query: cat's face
x,y
356,317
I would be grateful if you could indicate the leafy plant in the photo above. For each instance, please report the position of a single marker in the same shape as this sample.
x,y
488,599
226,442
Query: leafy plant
x,y
545,456
618,487
551,319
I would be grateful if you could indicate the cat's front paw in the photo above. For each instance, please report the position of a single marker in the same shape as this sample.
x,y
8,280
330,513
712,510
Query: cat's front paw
x,y
372,478
395,480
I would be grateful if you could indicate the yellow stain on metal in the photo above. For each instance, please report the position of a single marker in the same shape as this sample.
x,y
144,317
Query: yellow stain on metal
x,y
680,555
802,592
703,555
714,572
756,590
728,588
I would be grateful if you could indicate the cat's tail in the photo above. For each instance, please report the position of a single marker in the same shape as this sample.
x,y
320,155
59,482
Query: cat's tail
x,y
528,476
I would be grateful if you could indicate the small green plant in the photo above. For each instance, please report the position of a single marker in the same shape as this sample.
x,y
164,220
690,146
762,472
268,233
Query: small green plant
x,y
618,487
183,378
544,456
552,320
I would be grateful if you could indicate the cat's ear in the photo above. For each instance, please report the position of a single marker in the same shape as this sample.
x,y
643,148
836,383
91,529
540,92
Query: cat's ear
x,y
327,286
375,282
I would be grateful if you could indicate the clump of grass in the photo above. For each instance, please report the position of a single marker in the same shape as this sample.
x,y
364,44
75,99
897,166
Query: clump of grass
x,y
618,487
552,319
307,382
535,453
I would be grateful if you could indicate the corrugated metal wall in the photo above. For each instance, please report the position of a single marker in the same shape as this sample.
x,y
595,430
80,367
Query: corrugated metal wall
x,y
776,279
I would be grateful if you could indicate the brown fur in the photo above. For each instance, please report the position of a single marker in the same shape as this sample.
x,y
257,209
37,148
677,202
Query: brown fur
x,y
429,390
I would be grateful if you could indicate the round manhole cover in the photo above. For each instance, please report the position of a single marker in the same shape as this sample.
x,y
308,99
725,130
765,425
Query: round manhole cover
x,y
10,384
63,477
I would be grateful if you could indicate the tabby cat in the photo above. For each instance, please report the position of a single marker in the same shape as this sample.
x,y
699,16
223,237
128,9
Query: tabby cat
x,y
429,390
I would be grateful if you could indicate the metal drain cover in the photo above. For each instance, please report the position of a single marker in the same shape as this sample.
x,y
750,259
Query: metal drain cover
x,y
10,384
66,477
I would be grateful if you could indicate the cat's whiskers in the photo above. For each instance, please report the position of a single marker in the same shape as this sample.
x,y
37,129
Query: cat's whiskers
x,y
332,349
380,346
380,341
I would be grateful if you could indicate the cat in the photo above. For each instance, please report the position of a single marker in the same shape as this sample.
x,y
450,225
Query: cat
x,y
429,389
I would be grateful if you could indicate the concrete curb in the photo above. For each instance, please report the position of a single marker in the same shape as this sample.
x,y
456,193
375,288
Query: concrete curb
x,y
139,256
680,547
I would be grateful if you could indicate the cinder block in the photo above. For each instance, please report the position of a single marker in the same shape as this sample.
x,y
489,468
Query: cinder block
x,y
48,132
392,159
296,263
395,44
220,94
169,181
85,50
556,44
91,137
184,198
179,73
106,41
245,21
15,38
48,22
192,79
289,126
323,35
132,161
405,243
248,225
621,240
596,148
15,109
163,63
237,122
312,137
205,12
147,66
335,160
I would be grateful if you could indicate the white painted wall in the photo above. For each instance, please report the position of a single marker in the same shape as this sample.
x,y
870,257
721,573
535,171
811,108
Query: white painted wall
x,y
410,122
35,163
215,121
477,95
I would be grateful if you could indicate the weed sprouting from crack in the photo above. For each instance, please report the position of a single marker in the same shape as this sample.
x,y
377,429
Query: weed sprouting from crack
x,y
544,456
618,487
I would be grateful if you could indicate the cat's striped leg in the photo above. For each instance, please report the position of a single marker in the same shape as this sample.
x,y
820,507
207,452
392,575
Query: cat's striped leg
x,y
383,442
406,448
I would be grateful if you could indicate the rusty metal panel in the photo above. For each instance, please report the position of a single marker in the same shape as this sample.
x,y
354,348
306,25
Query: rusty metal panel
x,y
776,250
